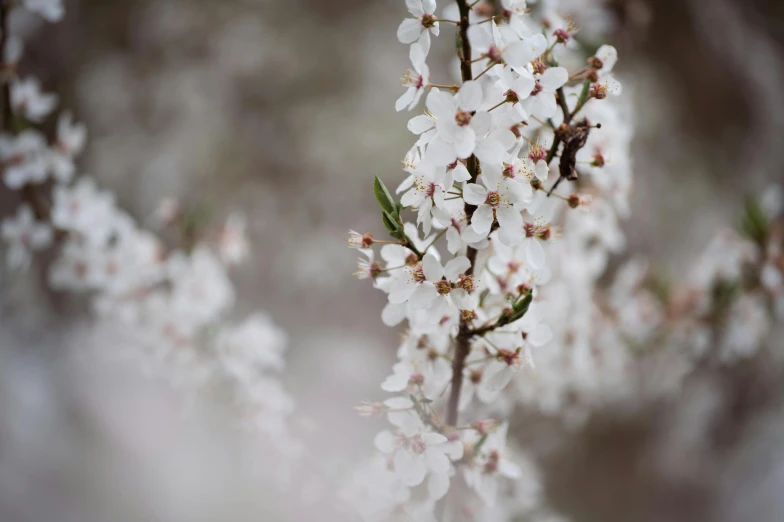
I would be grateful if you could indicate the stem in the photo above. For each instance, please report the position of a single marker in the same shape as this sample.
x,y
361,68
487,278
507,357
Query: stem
x,y
555,186
441,86
485,21
410,246
492,64
496,106
436,239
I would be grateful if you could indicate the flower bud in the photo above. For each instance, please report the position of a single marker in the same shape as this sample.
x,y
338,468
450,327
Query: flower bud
x,y
357,240
598,159
595,62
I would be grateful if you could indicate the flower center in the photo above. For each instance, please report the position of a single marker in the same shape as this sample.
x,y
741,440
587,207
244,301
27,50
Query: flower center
x,y
428,21
467,315
416,379
419,275
537,89
509,171
493,199
494,53
418,446
412,79
491,466
536,153
466,282
463,118
509,357
598,91
443,287
562,35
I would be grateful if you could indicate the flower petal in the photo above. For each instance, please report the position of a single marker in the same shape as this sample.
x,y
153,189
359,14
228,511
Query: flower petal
x,y
432,268
469,98
474,194
408,31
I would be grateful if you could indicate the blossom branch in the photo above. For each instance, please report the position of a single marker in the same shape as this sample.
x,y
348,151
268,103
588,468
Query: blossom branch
x,y
462,344
29,191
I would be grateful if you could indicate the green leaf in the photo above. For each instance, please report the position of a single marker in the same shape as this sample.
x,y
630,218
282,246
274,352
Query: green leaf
x,y
754,223
521,306
383,196
392,225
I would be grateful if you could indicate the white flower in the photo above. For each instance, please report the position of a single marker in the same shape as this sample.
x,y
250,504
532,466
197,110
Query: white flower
x,y
496,201
413,29
410,287
416,81
607,57
366,267
515,87
457,126
452,289
84,209
424,126
417,453
458,234
71,139
24,234
508,361
49,10
430,185
541,103
77,268
200,288
420,370
254,345
24,159
505,46
490,464
28,100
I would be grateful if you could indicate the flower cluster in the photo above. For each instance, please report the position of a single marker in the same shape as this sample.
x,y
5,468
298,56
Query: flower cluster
x,y
514,283
172,289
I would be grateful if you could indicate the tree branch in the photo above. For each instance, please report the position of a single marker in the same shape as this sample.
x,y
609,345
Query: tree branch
x,y
462,345
29,191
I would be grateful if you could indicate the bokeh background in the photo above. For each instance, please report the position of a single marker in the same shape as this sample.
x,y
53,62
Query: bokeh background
x,y
284,111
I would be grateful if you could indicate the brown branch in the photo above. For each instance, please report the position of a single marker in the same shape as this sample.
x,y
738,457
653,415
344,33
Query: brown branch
x,y
462,345
30,191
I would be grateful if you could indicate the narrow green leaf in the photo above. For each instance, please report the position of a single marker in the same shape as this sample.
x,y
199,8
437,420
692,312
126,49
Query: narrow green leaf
x,y
383,196
395,230
754,223
521,306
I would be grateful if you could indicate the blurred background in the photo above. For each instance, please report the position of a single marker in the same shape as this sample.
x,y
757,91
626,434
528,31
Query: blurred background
x,y
284,111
